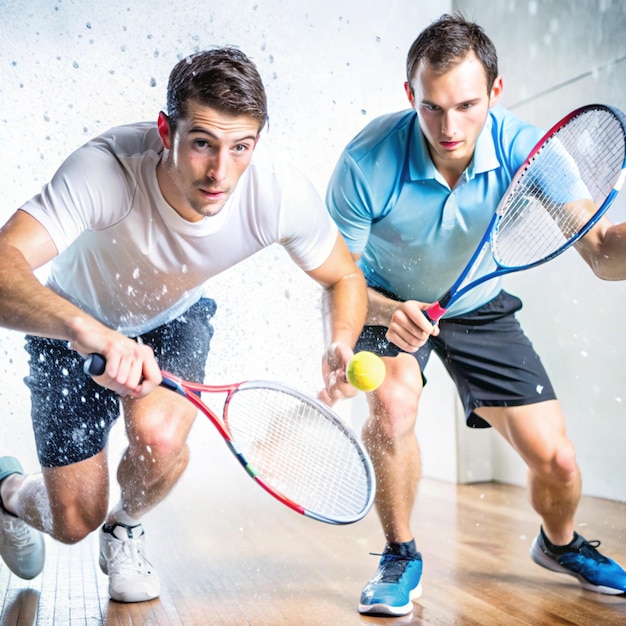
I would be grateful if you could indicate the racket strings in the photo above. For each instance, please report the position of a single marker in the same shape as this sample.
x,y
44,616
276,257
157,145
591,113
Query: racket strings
x,y
299,451
561,189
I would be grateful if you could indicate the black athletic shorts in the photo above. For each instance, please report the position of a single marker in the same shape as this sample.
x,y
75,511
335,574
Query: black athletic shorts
x,y
490,360
72,415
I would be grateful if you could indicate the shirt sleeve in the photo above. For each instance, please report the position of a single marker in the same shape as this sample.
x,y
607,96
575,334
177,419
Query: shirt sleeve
x,y
306,230
557,176
349,202
83,194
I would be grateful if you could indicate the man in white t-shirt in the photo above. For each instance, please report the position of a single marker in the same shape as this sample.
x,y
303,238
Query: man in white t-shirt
x,y
133,224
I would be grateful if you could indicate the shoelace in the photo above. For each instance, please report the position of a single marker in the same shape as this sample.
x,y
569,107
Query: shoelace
x,y
393,566
127,556
17,532
589,550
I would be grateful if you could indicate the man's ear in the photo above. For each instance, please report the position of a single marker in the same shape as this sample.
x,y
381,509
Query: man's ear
x,y
496,91
409,93
163,124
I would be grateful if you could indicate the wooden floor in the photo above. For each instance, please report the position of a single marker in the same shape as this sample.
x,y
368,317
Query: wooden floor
x,y
229,555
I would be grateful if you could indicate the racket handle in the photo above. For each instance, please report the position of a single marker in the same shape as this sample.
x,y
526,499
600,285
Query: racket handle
x,y
94,365
435,312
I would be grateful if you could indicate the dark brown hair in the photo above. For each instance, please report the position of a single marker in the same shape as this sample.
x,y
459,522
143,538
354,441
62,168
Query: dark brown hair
x,y
448,40
223,78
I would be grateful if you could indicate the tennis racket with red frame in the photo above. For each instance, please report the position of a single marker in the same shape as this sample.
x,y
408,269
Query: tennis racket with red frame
x,y
566,184
292,445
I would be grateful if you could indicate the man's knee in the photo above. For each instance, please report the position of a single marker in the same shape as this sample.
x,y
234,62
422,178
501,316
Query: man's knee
x,y
159,432
78,497
395,403
559,465
565,466
72,522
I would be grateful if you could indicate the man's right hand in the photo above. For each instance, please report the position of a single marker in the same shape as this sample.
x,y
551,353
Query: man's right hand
x,y
409,328
131,369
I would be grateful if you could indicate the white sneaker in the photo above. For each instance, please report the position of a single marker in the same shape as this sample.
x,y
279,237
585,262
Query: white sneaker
x,y
131,576
21,546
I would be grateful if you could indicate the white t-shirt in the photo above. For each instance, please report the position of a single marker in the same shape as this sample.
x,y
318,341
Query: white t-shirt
x,y
130,260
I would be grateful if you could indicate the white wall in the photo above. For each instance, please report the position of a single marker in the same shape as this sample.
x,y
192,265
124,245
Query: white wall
x,y
73,68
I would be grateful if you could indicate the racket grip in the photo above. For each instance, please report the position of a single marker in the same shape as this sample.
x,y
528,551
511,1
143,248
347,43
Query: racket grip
x,y
435,312
94,365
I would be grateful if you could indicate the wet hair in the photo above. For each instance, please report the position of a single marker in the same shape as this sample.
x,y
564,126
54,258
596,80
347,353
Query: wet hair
x,y
222,78
447,41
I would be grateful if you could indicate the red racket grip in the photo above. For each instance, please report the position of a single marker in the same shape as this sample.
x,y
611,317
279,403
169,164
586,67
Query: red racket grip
x,y
435,312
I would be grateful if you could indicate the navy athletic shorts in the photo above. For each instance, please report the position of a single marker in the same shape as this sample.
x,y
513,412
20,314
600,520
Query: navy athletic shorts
x,y
488,356
72,415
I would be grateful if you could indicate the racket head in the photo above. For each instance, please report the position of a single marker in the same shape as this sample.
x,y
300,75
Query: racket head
x,y
585,151
300,451
294,446
568,182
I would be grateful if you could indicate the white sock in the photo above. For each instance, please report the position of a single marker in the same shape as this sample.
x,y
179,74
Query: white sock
x,y
117,514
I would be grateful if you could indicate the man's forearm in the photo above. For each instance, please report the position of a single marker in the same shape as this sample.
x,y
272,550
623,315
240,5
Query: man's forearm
x,y
604,250
345,308
28,306
380,308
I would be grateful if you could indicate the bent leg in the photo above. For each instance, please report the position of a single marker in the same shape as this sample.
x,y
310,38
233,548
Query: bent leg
x,y
389,435
157,427
65,502
537,432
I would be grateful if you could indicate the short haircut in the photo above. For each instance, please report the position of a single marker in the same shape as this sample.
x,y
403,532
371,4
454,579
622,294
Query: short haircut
x,y
222,78
446,42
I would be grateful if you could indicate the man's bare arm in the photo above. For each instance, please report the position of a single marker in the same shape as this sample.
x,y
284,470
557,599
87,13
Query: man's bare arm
x,y
28,306
344,305
604,250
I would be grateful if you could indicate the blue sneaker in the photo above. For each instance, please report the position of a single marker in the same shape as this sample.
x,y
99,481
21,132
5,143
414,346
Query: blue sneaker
x,y
394,585
593,570
22,547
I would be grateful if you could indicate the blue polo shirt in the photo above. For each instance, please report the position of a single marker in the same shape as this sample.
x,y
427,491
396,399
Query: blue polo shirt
x,y
393,207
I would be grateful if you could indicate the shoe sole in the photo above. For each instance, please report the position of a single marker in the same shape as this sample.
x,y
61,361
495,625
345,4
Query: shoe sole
x,y
388,609
541,559
130,598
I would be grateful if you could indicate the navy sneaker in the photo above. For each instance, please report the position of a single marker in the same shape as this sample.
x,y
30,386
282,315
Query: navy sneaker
x,y
22,547
593,570
394,585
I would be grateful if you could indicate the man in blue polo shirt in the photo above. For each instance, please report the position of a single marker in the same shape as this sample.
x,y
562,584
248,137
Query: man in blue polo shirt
x,y
413,194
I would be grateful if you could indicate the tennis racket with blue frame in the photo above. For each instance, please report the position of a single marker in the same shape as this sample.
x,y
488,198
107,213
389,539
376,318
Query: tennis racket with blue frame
x,y
566,184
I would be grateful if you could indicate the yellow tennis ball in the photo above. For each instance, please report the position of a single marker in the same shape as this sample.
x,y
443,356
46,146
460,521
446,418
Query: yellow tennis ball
x,y
366,371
